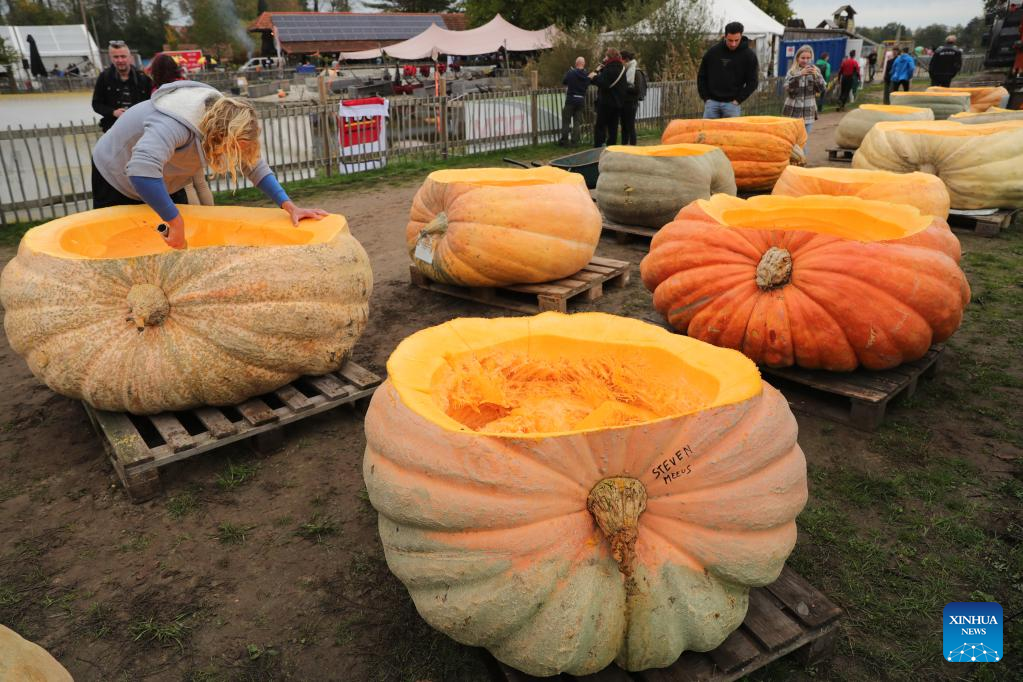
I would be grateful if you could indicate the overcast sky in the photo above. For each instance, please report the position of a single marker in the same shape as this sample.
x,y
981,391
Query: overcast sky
x,y
911,13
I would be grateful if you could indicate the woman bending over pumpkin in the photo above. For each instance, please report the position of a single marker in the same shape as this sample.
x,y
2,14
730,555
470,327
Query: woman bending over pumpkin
x,y
157,146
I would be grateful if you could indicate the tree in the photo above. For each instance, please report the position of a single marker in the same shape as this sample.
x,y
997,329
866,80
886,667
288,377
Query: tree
x,y
886,32
971,37
931,36
542,13
28,13
340,6
778,9
424,6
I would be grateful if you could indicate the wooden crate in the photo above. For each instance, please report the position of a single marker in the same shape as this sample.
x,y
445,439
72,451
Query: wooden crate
x,y
623,233
984,222
840,154
139,445
787,616
587,285
857,398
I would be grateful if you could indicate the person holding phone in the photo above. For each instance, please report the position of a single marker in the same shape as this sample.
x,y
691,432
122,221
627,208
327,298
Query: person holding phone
x,y
803,82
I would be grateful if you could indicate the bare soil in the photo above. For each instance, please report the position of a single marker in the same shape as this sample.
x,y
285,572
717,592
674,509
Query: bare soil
x,y
269,567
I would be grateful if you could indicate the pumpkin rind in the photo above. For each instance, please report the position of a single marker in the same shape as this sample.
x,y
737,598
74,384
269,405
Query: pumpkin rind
x,y
981,98
979,164
499,226
943,104
759,147
860,120
492,536
25,661
875,302
170,330
649,185
922,190
992,115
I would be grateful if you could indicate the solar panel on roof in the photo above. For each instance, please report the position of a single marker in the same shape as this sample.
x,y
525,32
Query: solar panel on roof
x,y
303,27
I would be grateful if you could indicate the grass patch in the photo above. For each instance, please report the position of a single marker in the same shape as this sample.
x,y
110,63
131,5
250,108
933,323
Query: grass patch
x,y
235,475
11,234
171,632
183,504
317,529
232,534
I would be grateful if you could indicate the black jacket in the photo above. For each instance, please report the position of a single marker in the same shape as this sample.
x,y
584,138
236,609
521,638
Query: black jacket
x,y
577,81
946,61
727,75
105,97
611,85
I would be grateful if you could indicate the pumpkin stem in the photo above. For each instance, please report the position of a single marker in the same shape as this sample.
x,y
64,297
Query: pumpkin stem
x,y
148,305
775,269
616,504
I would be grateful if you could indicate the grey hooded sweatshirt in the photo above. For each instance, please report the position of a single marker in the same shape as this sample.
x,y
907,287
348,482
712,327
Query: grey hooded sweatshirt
x,y
159,138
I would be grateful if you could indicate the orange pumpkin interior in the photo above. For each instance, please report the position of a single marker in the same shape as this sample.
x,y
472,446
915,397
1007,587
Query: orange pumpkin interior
x,y
893,108
130,231
928,93
507,177
841,216
554,373
682,149
949,128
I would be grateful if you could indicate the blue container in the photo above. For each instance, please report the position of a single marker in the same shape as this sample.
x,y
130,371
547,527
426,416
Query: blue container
x,y
835,47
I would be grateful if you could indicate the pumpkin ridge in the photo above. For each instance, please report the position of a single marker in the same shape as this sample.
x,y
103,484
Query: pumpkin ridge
x,y
175,322
741,279
687,559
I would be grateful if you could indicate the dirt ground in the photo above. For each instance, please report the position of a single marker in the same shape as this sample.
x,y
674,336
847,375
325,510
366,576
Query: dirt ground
x,y
269,567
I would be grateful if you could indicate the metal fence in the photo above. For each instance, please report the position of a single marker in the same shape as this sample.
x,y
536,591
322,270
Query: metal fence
x,y
46,171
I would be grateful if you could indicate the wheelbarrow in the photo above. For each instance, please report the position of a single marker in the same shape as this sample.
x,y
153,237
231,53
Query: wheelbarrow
x,y
584,163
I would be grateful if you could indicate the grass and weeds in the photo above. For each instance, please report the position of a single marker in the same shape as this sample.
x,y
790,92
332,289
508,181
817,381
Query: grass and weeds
x,y
317,529
235,475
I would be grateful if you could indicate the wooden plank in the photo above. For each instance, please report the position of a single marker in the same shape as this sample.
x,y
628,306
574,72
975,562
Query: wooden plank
x,y
826,381
611,673
690,667
735,652
122,436
172,431
293,398
359,376
329,385
610,262
256,412
215,422
811,607
769,625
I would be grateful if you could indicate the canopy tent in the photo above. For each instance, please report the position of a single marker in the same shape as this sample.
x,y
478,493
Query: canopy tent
x,y
58,44
490,37
758,26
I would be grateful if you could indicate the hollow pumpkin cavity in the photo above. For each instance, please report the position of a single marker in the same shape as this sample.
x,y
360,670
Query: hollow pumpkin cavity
x,y
670,150
507,177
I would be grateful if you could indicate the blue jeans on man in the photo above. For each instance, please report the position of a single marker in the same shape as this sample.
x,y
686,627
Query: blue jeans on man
x,y
712,108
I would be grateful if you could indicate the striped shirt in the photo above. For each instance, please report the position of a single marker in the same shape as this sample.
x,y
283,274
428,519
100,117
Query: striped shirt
x,y
801,96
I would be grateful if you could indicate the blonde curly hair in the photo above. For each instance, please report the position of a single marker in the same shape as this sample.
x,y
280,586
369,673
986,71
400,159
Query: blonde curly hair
x,y
230,136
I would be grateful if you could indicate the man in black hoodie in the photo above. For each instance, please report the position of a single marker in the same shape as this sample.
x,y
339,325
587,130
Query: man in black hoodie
x,y
577,81
946,62
728,74
119,87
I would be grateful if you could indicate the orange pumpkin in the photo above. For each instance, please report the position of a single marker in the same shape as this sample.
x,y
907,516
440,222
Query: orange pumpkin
x,y
572,490
815,281
759,147
924,191
981,98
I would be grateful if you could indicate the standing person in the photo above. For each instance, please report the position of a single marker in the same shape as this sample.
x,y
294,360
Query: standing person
x,y
902,71
849,72
576,81
802,84
824,66
610,81
635,92
871,66
728,74
889,61
119,87
946,63
156,148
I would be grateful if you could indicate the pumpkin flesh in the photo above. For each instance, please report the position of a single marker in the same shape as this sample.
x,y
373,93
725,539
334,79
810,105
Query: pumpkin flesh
x,y
563,550
924,191
819,282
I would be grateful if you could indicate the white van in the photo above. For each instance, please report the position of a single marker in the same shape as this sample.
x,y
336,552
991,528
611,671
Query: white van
x,y
260,64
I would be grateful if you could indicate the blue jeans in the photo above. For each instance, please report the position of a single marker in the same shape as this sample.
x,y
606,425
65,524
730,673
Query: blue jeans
x,y
809,126
715,109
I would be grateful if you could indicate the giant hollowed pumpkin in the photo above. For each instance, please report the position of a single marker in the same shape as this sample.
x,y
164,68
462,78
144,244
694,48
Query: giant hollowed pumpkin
x,y
981,98
943,104
816,281
924,191
568,491
759,147
992,115
104,311
649,185
24,661
498,226
979,164
857,122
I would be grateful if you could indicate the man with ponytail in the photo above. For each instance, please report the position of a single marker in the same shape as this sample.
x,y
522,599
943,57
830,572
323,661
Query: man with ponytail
x,y
156,147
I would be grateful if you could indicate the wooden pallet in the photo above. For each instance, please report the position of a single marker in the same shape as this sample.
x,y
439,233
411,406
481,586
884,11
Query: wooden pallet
x,y
587,284
787,616
840,154
984,222
623,233
138,446
857,398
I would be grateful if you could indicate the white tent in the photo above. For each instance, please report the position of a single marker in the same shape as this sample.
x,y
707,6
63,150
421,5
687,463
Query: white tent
x,y
58,45
490,37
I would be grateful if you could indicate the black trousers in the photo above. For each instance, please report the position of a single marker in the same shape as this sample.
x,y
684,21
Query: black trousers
x,y
896,85
571,119
629,122
846,84
606,127
942,80
104,194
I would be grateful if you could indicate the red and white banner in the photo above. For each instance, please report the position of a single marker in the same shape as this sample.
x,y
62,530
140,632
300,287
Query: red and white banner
x,y
362,134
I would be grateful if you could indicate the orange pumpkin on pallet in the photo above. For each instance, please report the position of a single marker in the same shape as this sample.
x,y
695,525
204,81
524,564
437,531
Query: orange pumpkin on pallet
x,y
816,281
924,191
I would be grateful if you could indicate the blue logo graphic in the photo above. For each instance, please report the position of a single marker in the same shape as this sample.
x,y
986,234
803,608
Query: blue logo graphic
x,y
972,632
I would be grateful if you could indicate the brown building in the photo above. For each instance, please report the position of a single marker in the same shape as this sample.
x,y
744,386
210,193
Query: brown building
x,y
326,32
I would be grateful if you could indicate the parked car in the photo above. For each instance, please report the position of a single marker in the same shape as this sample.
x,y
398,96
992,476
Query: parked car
x,y
260,64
